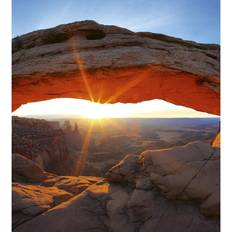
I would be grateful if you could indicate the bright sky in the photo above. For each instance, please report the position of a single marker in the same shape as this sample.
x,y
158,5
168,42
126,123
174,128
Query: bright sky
x,y
197,20
83,108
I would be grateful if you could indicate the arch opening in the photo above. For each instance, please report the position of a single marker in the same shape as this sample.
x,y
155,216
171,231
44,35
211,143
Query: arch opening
x,y
86,109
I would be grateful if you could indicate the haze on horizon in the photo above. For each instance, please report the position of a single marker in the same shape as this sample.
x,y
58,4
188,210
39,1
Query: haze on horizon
x,y
195,20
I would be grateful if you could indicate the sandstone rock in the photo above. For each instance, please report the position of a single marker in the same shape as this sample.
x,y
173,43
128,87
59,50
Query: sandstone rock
x,y
24,169
35,137
116,209
111,207
109,47
41,142
140,205
190,172
125,170
119,66
165,215
71,184
173,168
83,212
211,206
31,200
144,183
72,136
216,142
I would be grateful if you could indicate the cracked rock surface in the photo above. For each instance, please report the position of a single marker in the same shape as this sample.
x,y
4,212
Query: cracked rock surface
x,y
190,172
31,198
113,50
111,207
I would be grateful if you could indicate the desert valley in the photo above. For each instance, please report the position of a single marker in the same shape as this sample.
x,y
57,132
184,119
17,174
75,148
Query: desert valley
x,y
56,145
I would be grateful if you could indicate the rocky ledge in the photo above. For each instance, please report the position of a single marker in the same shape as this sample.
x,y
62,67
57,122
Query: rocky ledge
x,y
174,189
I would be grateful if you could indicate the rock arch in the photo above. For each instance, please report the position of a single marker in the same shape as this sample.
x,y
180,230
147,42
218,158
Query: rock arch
x,y
110,64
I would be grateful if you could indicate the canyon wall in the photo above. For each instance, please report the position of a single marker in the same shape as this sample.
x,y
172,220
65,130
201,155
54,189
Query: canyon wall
x,y
46,144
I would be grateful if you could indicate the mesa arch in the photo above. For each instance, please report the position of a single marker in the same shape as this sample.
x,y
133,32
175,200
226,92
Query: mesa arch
x,y
87,60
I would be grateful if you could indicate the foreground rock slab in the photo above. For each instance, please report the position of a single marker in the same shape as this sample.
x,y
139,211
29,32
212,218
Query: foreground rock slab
x,y
31,200
111,207
36,191
173,189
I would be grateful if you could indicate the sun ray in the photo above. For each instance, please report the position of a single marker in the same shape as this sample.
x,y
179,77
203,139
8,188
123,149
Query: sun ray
x,y
125,88
101,125
80,63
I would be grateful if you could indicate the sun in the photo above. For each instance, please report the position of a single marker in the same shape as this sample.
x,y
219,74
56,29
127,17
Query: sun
x,y
95,111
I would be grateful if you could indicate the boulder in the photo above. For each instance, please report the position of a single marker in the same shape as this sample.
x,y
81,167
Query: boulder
x,y
24,169
190,173
126,170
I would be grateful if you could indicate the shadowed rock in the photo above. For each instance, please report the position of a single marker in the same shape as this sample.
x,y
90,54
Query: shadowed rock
x,y
157,191
24,169
190,172
111,207
126,170
45,143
